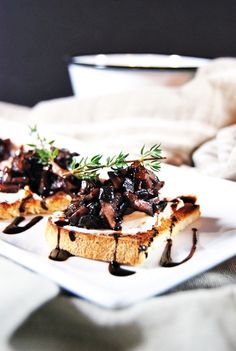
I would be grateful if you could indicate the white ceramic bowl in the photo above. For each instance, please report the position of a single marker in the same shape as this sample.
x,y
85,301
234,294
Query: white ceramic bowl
x,y
94,75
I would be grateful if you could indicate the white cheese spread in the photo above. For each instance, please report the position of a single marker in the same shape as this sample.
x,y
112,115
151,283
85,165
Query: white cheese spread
x,y
136,222
12,197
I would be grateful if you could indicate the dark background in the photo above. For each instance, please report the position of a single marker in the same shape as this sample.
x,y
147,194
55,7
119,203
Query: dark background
x,y
35,35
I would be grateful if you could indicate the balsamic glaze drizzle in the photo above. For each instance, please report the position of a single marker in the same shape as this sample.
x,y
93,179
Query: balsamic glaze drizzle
x,y
116,238
13,227
58,254
114,267
72,235
44,205
23,203
61,223
166,259
173,221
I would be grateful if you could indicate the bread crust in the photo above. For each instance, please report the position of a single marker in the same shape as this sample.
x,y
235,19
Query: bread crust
x,y
130,249
31,203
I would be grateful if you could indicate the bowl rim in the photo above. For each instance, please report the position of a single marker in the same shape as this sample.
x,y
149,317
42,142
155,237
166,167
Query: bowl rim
x,y
73,60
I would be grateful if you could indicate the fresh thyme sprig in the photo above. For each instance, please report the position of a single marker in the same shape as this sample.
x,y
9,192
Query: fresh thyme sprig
x,y
88,168
43,148
150,158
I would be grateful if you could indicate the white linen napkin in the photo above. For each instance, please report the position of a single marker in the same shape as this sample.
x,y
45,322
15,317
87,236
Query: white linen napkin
x,y
180,118
199,320
218,156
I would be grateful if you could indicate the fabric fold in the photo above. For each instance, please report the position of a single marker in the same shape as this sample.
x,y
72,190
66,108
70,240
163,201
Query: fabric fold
x,y
218,156
21,293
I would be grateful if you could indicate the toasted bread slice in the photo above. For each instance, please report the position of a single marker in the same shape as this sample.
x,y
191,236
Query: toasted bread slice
x,y
27,202
124,248
31,185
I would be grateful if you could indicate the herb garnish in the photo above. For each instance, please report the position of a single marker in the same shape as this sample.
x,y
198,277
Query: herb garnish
x,y
43,148
88,168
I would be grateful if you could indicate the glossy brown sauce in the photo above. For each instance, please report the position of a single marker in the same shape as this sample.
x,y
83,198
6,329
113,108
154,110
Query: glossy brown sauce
x,y
72,235
59,254
172,225
61,223
114,267
166,259
14,228
24,202
44,205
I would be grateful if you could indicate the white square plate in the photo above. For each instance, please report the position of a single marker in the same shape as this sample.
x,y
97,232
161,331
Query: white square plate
x,y
91,279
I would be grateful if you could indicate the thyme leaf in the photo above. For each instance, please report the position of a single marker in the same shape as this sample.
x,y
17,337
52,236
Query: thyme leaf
x,y
42,147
